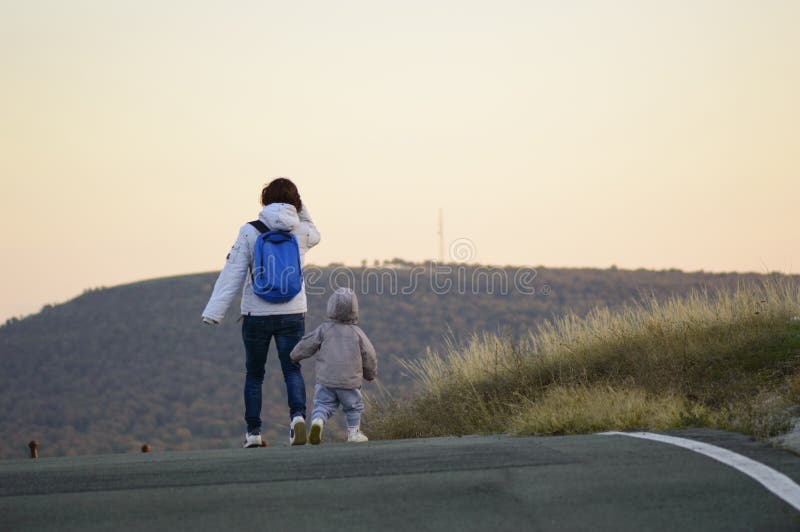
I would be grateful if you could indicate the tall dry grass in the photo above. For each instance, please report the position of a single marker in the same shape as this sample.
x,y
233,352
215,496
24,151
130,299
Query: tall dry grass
x,y
728,359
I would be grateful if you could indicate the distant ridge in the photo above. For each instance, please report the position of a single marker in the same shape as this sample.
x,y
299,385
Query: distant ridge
x,y
118,367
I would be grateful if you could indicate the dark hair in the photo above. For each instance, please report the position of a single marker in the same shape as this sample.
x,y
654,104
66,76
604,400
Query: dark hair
x,y
281,190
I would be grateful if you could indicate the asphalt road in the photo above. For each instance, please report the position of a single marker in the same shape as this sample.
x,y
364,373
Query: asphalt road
x,y
473,483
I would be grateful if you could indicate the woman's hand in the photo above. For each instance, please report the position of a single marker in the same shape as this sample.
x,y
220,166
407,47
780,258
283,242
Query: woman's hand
x,y
303,214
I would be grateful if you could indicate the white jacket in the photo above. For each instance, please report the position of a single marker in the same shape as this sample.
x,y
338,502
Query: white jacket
x,y
235,276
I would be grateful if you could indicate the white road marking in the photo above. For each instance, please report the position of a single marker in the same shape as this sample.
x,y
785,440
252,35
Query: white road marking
x,y
775,481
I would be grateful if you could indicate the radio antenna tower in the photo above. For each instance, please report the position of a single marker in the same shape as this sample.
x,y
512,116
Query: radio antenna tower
x,y
441,236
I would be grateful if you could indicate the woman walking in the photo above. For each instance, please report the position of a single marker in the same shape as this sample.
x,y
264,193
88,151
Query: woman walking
x,y
284,215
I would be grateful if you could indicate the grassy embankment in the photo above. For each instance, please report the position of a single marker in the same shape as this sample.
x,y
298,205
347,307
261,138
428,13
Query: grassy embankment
x,y
728,359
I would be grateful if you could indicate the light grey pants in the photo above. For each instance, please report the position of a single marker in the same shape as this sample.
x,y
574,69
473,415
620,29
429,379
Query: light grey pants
x,y
327,400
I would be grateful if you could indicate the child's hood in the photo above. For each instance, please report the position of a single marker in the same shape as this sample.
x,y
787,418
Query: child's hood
x,y
279,216
343,306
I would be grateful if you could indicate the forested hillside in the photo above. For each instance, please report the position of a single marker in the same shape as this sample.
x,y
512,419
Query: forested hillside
x,y
118,367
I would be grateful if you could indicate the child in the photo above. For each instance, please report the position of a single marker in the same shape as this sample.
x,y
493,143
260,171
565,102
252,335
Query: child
x,y
345,357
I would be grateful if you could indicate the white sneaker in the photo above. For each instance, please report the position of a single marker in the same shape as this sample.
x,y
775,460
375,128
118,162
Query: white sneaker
x,y
315,434
297,431
253,439
356,436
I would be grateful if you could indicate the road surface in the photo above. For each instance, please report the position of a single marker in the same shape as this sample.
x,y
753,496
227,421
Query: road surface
x,y
494,483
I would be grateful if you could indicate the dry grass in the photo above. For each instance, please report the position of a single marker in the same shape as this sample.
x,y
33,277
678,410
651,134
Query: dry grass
x,y
727,359
580,409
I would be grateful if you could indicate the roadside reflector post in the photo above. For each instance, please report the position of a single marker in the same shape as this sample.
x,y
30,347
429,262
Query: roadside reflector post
x,y
34,447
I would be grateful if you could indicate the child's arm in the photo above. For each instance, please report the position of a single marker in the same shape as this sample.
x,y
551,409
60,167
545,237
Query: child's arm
x,y
369,360
307,346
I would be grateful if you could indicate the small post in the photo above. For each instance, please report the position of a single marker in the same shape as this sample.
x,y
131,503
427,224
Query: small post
x,y
441,236
145,448
34,447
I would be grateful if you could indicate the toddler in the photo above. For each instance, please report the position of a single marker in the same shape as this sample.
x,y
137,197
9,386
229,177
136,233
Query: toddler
x,y
345,356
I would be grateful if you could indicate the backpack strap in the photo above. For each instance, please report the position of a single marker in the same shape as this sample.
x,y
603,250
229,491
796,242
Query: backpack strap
x,y
260,226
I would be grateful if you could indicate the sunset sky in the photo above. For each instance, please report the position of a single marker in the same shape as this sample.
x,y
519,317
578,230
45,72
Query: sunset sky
x,y
135,135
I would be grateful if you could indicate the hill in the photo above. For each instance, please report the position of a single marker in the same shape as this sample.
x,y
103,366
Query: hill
x,y
116,367
728,359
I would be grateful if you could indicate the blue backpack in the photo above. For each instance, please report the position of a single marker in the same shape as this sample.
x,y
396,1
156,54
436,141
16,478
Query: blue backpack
x,y
277,275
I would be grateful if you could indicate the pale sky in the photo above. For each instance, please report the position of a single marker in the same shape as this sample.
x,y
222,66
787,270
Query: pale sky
x,y
135,136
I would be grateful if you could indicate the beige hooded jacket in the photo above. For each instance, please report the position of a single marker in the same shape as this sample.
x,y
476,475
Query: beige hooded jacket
x,y
345,354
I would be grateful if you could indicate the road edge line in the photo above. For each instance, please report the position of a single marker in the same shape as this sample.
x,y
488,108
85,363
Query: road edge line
x,y
776,482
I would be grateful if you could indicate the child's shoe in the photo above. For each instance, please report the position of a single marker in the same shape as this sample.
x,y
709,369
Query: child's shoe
x,y
315,434
355,436
297,431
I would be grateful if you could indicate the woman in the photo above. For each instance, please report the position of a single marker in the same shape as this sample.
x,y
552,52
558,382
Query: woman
x,y
283,211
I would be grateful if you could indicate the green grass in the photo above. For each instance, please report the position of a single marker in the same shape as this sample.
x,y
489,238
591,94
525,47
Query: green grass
x,y
728,359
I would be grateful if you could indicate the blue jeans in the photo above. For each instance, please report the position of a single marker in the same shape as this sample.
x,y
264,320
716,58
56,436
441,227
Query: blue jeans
x,y
327,400
256,333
